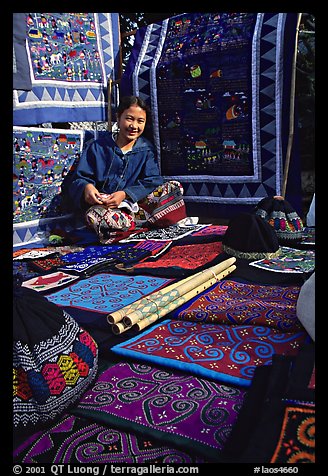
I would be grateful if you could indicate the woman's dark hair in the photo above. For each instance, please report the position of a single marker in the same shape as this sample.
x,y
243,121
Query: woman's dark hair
x,y
128,101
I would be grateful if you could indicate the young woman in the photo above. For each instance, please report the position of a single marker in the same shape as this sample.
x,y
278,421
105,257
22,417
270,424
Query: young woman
x,y
116,171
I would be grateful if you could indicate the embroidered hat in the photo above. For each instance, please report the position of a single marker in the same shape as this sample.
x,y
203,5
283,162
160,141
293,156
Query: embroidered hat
x,y
282,217
54,360
250,237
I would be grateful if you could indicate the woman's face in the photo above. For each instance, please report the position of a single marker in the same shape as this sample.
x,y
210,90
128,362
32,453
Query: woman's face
x,y
131,123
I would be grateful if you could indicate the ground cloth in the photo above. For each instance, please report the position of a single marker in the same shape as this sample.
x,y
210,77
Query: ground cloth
x,y
177,409
226,353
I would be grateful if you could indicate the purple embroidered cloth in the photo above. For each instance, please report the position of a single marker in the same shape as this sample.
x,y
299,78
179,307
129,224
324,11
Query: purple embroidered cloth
x,y
231,302
194,414
77,440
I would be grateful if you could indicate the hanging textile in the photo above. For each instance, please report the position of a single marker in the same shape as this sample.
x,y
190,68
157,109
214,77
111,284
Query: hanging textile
x,y
42,159
71,56
219,87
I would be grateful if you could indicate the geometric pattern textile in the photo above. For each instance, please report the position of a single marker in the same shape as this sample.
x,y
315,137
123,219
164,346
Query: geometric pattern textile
x,y
193,414
226,353
232,302
52,374
219,86
77,440
71,56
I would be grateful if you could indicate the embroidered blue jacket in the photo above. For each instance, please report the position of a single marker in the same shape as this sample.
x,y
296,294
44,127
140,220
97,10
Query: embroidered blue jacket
x,y
104,165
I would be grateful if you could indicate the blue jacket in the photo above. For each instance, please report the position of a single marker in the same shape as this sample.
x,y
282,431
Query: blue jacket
x,y
104,165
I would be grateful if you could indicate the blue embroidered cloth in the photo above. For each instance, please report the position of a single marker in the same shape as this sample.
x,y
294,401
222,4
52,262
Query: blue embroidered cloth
x,y
106,292
71,57
219,86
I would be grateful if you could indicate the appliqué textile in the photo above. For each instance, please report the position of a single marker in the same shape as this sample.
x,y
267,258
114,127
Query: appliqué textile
x,y
49,281
229,353
92,252
172,232
71,56
106,292
289,260
219,87
181,259
89,266
231,302
78,440
195,414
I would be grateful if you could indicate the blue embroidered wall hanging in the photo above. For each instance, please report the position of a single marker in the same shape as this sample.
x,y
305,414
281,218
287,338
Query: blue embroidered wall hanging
x,y
71,56
42,159
219,88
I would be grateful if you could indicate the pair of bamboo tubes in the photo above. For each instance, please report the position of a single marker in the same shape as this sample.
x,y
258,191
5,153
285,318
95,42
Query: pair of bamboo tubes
x,y
149,309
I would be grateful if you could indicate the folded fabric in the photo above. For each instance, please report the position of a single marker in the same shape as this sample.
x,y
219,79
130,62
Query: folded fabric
x,y
172,232
164,206
155,247
226,353
44,265
92,252
205,234
34,254
78,440
232,302
178,409
89,266
50,281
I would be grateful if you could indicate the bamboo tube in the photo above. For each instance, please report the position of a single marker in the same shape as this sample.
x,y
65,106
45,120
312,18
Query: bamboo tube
x,y
155,301
117,316
150,318
120,327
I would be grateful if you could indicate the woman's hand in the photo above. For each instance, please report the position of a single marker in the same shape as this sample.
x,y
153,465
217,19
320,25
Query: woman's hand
x,y
91,195
113,200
